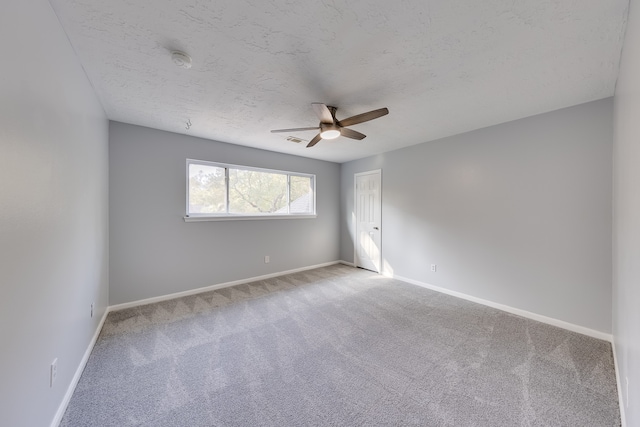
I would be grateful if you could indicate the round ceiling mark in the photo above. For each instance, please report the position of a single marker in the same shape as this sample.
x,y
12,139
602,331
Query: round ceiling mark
x,y
181,59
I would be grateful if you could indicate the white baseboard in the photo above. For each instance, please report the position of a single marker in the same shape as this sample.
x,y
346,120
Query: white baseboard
x,y
623,419
350,264
214,287
76,377
540,318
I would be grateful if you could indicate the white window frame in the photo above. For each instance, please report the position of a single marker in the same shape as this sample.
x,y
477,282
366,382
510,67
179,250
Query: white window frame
x,y
196,217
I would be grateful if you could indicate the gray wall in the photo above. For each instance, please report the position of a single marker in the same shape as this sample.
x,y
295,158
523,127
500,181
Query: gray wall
x,y
518,214
626,220
153,252
53,212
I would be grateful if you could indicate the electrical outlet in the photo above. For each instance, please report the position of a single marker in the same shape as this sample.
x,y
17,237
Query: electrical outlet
x,y
266,259
53,372
433,268
92,309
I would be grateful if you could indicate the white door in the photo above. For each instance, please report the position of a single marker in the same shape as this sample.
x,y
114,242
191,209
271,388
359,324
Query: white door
x,y
367,213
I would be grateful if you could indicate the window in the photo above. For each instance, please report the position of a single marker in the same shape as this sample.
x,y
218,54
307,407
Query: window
x,y
221,191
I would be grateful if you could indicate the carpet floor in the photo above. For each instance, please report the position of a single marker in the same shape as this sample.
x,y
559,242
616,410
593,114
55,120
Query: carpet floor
x,y
339,346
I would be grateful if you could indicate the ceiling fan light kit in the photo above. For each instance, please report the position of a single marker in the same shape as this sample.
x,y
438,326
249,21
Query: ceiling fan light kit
x,y
331,131
331,128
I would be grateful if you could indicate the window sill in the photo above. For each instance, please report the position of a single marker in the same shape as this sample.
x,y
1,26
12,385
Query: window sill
x,y
244,217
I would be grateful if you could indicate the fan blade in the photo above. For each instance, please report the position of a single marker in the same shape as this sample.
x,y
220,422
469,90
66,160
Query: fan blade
x,y
323,113
294,129
314,141
350,133
364,117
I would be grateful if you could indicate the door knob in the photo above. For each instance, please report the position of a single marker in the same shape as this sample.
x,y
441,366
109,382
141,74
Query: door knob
x,y
376,228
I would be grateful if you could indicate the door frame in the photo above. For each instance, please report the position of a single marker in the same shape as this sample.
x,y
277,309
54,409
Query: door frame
x,y
355,217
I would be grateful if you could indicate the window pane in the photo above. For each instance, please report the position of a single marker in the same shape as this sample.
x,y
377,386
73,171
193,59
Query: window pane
x,y
207,193
301,195
253,192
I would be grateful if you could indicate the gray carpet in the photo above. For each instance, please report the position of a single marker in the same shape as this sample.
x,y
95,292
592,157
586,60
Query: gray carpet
x,y
344,347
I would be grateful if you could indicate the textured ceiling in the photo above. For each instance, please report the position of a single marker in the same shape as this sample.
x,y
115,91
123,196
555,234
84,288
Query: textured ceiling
x,y
442,67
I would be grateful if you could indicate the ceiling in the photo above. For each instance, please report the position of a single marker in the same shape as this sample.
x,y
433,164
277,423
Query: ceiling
x,y
442,67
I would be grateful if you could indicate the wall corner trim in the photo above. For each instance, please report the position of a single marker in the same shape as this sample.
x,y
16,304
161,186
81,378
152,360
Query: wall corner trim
x,y
518,312
76,377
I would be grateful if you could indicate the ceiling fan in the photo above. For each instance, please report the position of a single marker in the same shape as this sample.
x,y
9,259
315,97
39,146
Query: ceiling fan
x,y
331,128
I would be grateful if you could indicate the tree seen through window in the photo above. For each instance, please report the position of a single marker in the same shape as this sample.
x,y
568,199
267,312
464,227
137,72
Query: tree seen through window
x,y
219,190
